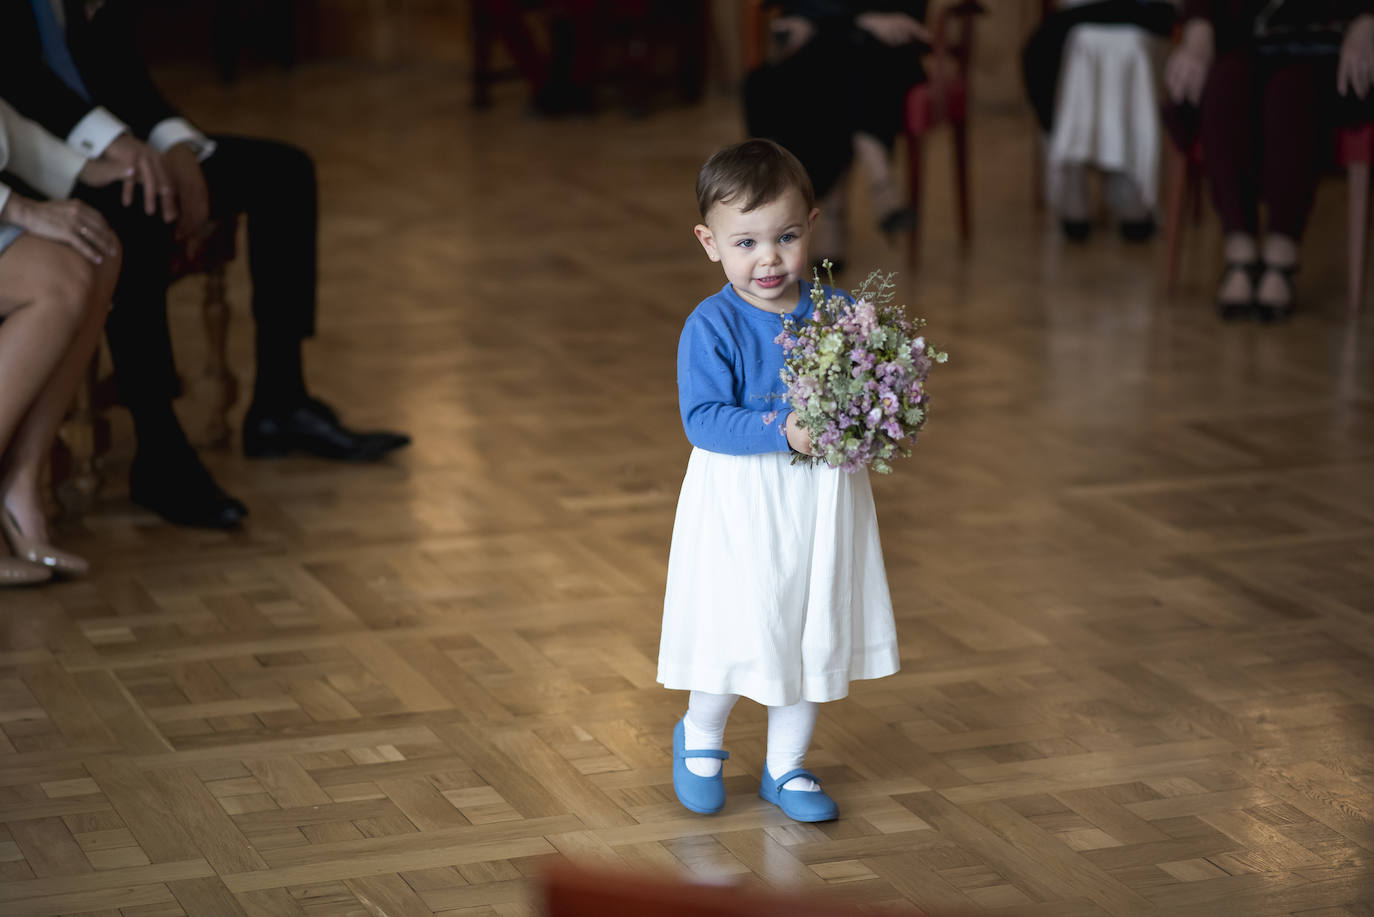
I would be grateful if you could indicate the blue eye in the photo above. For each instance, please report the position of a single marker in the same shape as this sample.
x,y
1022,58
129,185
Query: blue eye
x,y
787,237
745,243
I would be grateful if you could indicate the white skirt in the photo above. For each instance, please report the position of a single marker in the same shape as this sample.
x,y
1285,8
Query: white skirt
x,y
776,588
1107,112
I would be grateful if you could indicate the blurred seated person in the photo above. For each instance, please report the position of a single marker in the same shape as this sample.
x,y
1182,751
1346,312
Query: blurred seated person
x,y
832,92
1090,73
58,264
75,69
564,71
1267,82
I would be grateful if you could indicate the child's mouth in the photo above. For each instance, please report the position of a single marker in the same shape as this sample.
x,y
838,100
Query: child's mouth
x,y
769,283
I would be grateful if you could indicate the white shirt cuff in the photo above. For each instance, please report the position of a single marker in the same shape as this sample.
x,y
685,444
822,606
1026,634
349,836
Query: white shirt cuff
x,y
95,132
167,134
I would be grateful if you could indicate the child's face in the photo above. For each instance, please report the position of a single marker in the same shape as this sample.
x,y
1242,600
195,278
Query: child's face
x,y
763,251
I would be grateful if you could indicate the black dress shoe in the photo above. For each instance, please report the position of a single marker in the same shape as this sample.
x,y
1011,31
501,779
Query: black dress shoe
x,y
180,490
313,427
903,219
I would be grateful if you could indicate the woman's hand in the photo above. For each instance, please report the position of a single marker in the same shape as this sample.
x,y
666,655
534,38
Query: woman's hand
x,y
893,29
1356,71
72,222
798,437
790,34
1185,74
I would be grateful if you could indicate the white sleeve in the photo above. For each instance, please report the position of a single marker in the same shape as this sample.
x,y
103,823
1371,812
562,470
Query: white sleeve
x,y
4,196
36,156
95,132
168,133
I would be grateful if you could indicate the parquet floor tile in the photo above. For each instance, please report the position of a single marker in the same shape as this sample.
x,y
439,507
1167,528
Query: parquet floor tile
x,y
1133,568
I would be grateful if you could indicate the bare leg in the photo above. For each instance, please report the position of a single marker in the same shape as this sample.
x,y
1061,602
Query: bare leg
x,y
44,287
22,463
833,228
882,187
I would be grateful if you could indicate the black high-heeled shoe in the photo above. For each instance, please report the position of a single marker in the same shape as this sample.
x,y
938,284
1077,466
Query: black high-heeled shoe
x,y
1239,311
1277,312
1138,230
1076,230
902,219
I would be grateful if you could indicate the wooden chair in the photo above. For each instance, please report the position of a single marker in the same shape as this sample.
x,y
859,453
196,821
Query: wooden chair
x,y
1354,153
572,892
85,433
942,99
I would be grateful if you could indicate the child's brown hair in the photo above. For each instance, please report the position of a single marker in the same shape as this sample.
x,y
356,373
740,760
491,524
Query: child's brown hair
x,y
751,173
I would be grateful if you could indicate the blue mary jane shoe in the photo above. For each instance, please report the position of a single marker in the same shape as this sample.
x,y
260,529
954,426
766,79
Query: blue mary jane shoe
x,y
705,795
798,805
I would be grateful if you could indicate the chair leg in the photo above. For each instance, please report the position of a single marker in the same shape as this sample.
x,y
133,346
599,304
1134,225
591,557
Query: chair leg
x,y
1358,234
1173,219
482,40
959,129
77,490
217,389
913,158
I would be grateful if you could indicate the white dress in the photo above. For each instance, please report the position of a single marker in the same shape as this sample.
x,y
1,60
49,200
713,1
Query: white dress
x,y
776,588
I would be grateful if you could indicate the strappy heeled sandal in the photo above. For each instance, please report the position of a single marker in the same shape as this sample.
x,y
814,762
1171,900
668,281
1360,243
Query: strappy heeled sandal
x,y
1272,312
1238,311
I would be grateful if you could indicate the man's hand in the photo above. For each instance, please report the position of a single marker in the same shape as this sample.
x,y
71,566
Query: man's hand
x,y
104,171
1185,73
148,171
77,224
893,29
192,195
798,437
1356,71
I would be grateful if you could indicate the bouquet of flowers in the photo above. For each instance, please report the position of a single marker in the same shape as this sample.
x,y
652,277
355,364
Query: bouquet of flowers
x,y
856,375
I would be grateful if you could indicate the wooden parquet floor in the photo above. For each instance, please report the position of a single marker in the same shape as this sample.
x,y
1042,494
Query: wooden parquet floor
x,y
1133,567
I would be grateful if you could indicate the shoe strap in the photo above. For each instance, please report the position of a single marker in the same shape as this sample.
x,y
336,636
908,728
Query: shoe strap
x,y
704,753
797,772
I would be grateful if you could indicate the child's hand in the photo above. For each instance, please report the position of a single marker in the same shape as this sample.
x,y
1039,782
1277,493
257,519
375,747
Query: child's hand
x,y
798,437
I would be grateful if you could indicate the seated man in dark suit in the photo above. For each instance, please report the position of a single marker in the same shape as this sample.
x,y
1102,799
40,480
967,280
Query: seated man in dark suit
x,y
72,66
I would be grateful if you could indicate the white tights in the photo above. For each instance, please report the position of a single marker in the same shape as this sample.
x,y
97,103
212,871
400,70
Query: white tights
x,y
789,734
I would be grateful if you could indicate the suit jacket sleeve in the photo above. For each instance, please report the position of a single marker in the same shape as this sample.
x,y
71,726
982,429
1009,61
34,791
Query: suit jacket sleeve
x,y
107,54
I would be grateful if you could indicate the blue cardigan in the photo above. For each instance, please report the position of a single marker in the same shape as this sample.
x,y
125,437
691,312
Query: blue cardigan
x,y
727,374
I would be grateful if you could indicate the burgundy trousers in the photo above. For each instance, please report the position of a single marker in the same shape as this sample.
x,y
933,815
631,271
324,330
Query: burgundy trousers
x,y
1266,125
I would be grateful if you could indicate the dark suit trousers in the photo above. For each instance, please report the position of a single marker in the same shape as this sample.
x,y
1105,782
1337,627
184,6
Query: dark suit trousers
x,y
273,185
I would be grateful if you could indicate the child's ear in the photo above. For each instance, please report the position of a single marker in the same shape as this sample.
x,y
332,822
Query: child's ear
x,y
708,241
811,220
